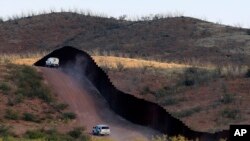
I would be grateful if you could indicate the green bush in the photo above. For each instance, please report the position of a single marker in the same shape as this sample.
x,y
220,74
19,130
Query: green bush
x,y
76,132
53,135
230,113
48,135
227,98
86,137
194,76
36,134
248,73
59,137
61,106
160,93
19,98
4,130
69,115
10,114
29,82
11,102
29,117
15,100
171,101
145,90
4,87
186,113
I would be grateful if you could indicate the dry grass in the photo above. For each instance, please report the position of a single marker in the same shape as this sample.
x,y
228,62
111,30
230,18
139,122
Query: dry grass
x,y
25,61
112,62
109,61
122,63
21,59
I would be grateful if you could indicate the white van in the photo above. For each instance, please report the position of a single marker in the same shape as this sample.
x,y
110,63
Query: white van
x,y
101,129
52,62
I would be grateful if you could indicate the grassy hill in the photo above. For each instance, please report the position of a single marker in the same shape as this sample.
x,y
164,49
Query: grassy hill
x,y
171,38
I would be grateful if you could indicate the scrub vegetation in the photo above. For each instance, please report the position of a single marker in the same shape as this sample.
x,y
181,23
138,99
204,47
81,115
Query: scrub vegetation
x,y
26,102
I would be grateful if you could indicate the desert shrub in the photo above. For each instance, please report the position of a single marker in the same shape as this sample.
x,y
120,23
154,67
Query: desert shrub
x,y
19,98
248,73
11,102
166,91
61,106
145,90
230,113
49,135
160,138
52,134
15,100
75,135
160,93
106,69
29,82
10,114
227,98
120,66
232,70
29,117
193,76
4,130
86,137
36,134
186,113
4,87
171,101
190,75
6,60
122,17
76,132
1,19
166,138
60,137
69,115
248,31
178,138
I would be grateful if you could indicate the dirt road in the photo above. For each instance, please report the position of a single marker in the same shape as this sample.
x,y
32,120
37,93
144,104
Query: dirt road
x,y
91,108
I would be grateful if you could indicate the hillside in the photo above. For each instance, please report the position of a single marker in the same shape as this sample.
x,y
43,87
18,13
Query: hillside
x,y
179,39
206,98
30,109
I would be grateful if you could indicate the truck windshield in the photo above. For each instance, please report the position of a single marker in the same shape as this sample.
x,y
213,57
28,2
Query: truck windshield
x,y
105,127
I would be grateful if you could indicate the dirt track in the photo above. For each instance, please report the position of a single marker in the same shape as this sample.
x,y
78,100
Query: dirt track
x,y
91,108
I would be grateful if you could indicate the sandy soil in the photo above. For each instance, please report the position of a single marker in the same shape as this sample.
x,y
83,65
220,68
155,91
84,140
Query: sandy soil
x,y
91,108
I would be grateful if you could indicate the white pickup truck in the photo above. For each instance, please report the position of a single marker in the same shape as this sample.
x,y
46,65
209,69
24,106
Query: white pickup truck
x,y
52,62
